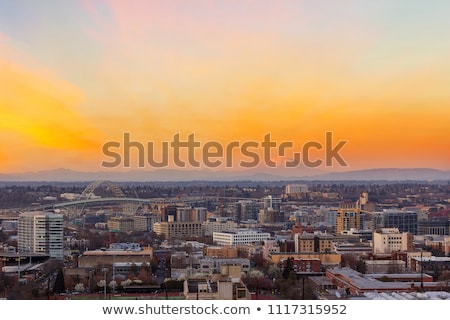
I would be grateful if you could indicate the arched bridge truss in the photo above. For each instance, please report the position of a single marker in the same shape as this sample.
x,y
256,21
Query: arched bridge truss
x,y
88,192
88,197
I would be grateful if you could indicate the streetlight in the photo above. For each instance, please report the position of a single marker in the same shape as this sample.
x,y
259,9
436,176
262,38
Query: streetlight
x,y
105,270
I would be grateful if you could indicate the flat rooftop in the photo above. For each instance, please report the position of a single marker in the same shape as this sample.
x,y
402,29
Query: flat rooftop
x,y
144,251
369,283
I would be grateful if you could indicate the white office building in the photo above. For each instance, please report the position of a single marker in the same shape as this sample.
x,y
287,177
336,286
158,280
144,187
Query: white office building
x,y
41,232
391,239
240,236
296,188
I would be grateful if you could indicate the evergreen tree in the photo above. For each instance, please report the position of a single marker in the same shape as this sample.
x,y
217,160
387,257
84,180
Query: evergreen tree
x,y
59,286
288,267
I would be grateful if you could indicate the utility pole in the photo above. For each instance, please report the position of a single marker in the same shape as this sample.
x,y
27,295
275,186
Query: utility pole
x,y
104,270
421,271
18,269
114,275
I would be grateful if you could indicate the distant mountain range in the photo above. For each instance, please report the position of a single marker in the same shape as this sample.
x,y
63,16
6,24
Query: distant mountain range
x,y
389,174
171,175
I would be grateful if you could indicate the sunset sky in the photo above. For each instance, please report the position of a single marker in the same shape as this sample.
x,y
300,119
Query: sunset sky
x,y
77,74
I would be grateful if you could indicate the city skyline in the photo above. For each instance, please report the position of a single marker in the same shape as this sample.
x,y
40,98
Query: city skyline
x,y
77,74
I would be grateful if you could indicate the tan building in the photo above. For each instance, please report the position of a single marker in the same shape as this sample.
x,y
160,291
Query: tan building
x,y
348,217
447,246
224,286
329,259
173,230
438,243
221,252
144,222
270,216
313,243
96,258
198,214
269,247
388,240
121,224
218,225
416,255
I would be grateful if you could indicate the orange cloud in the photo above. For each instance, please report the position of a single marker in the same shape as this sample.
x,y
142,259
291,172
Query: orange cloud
x,y
39,118
225,76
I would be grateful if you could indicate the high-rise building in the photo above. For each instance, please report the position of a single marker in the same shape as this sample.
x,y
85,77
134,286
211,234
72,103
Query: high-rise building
x,y
183,214
41,232
247,210
348,217
145,221
270,216
269,202
168,213
405,221
363,199
198,214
